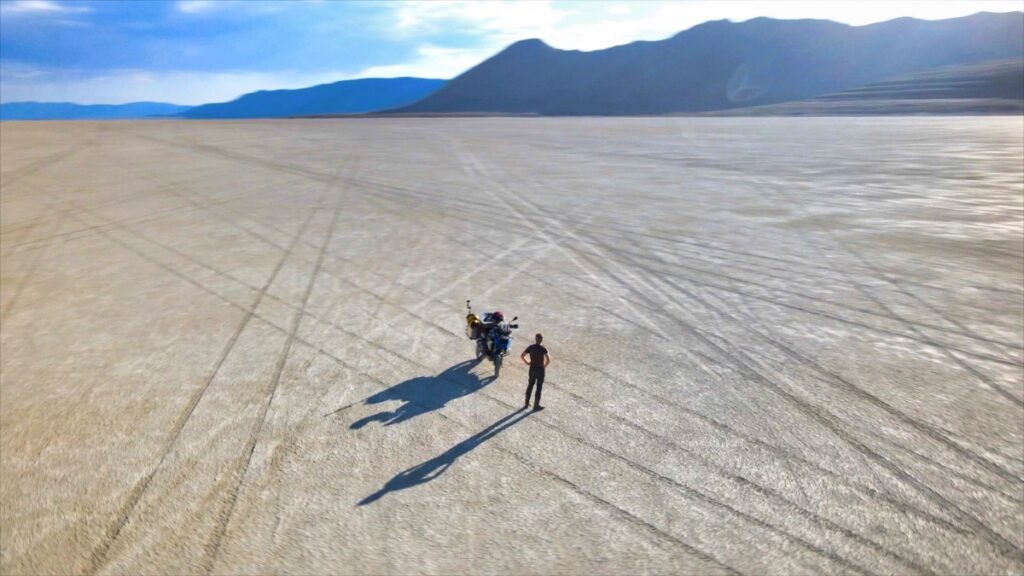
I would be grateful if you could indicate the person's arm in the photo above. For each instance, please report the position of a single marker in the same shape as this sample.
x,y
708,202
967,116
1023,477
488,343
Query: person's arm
x,y
523,358
547,359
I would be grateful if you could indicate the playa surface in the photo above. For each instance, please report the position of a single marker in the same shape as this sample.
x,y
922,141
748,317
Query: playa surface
x,y
780,346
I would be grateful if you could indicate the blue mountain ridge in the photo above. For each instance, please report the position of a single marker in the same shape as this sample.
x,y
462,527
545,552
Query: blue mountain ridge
x,y
344,97
72,111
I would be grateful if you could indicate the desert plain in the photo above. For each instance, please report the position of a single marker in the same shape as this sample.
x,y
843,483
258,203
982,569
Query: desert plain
x,y
779,346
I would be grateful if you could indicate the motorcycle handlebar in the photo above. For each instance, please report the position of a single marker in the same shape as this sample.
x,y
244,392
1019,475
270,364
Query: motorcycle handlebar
x,y
513,325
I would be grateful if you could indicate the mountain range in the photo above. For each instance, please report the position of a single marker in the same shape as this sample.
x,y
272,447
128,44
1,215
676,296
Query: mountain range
x,y
720,65
904,65
72,111
344,97
986,88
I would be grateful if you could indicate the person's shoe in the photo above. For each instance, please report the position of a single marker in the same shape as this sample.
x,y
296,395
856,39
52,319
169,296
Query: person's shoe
x,y
527,405
537,407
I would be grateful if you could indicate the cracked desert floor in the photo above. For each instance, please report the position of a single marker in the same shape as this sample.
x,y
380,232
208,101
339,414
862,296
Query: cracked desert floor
x,y
780,346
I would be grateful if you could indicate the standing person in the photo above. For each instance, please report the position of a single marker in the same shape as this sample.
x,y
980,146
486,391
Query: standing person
x,y
539,360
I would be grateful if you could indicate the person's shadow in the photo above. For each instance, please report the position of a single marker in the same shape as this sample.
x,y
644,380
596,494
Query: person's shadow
x,y
425,394
431,469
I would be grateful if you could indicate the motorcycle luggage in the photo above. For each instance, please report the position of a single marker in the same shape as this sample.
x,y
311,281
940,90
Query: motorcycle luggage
x,y
473,326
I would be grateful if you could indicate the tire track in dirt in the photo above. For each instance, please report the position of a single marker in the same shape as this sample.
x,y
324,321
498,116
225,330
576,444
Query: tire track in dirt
x,y
467,157
556,227
960,331
888,309
744,363
830,422
12,177
417,363
224,518
688,491
937,435
400,194
625,514
352,334
90,230
317,176
469,163
534,145
8,308
916,336
99,556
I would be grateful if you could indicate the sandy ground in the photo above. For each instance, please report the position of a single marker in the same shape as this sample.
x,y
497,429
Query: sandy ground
x,y
779,346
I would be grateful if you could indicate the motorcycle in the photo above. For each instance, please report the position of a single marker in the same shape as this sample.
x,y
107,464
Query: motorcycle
x,y
492,340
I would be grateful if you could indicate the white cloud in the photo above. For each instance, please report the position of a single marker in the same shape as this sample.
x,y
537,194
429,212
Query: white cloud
x,y
432,62
195,6
592,25
505,19
206,7
494,25
40,7
176,87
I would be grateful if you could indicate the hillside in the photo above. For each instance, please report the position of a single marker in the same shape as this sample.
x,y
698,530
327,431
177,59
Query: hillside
x,y
987,88
721,65
344,97
72,111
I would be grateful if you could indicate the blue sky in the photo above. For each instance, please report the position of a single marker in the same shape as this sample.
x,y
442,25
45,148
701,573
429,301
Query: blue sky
x,y
195,51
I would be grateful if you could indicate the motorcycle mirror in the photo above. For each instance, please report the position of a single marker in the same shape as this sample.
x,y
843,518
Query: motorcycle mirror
x,y
467,304
515,318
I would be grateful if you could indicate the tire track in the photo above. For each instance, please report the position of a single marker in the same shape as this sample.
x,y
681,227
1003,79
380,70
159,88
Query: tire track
x,y
402,193
224,518
992,385
100,555
693,493
352,334
916,336
382,385
7,180
932,432
827,420
960,331
90,230
471,165
742,361
8,308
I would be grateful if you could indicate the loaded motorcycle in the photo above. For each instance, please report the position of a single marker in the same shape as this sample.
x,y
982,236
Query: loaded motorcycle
x,y
492,335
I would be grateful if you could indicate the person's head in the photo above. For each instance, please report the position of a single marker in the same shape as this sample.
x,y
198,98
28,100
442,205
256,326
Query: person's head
x,y
539,338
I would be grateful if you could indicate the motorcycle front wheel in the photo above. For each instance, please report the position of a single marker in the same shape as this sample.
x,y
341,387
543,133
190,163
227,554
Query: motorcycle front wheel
x,y
497,364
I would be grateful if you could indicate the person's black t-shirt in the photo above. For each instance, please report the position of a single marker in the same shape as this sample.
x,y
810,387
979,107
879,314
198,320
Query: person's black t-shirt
x,y
537,353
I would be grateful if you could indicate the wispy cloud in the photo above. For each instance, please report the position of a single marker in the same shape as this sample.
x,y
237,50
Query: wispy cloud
x,y
41,7
193,51
209,7
195,6
431,62
594,25
20,83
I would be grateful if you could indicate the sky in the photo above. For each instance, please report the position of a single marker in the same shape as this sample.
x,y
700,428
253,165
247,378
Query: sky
x,y
198,51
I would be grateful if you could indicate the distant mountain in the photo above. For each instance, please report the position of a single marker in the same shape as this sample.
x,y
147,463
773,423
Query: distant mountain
x,y
987,88
344,97
71,111
720,65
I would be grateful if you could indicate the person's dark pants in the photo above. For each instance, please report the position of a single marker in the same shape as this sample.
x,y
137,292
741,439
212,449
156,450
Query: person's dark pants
x,y
536,377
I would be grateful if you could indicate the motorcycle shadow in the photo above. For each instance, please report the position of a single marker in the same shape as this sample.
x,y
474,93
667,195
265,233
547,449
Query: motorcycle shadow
x,y
425,394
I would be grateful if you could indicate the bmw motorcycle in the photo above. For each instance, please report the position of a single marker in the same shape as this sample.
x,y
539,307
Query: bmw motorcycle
x,y
492,339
